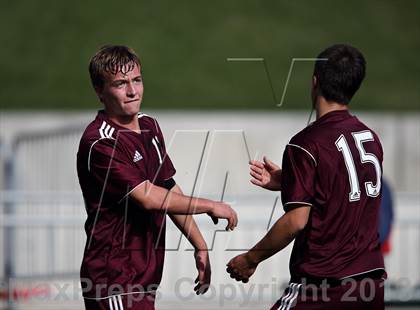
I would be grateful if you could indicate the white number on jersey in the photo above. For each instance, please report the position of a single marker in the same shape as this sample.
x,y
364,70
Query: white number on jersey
x,y
359,138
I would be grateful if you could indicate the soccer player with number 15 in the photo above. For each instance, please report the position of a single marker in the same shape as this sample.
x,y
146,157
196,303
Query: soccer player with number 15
x,y
330,185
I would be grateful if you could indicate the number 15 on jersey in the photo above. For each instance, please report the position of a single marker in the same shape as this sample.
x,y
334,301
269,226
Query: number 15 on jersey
x,y
360,138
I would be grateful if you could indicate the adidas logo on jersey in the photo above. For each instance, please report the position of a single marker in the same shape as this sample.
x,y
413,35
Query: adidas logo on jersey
x,y
137,156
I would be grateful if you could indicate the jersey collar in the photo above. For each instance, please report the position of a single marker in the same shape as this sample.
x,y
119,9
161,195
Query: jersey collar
x,y
333,116
104,117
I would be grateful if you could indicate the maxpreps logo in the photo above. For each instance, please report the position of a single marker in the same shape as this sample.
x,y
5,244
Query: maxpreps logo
x,y
137,156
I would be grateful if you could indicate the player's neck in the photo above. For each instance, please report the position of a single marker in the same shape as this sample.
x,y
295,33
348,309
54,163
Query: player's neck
x,y
323,107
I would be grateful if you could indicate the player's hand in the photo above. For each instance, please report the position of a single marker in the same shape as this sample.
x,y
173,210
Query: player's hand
x,y
222,210
265,174
202,263
241,268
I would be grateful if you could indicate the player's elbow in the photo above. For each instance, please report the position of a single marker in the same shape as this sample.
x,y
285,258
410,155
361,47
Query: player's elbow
x,y
148,205
142,196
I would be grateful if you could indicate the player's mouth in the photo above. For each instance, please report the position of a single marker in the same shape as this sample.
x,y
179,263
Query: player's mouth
x,y
134,100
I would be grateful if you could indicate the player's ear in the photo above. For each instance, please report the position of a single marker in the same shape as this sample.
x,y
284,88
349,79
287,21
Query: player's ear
x,y
98,91
314,82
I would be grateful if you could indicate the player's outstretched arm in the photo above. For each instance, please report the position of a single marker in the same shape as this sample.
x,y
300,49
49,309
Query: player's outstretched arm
x,y
152,197
189,228
265,174
242,267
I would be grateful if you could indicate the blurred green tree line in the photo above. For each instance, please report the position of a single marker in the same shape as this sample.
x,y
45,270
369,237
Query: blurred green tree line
x,y
184,46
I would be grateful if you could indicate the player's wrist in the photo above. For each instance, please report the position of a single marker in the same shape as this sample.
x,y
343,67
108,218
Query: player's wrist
x,y
274,186
212,205
201,247
252,257
277,179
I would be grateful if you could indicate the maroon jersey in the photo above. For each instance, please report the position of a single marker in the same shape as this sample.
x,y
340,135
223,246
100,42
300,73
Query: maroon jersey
x,y
125,243
335,166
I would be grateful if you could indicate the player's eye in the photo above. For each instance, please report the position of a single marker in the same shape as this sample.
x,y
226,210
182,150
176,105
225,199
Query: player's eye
x,y
138,80
119,84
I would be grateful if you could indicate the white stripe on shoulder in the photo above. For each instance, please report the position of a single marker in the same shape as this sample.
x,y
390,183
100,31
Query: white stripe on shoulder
x,y
111,132
91,147
309,153
106,130
101,130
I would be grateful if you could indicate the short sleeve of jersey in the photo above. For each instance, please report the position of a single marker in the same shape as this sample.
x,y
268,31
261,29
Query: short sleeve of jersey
x,y
111,167
298,177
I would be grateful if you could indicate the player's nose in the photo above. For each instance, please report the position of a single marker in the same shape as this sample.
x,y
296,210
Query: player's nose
x,y
130,90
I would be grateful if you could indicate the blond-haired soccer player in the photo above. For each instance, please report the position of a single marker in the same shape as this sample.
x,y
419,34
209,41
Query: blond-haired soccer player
x,y
126,178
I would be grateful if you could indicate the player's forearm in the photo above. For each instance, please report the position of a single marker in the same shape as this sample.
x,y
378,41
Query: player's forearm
x,y
152,197
188,226
279,236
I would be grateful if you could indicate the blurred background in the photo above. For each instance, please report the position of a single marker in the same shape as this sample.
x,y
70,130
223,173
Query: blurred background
x,y
206,104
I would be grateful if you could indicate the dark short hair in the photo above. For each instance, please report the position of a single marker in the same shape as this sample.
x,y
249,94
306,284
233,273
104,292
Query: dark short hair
x,y
340,70
111,59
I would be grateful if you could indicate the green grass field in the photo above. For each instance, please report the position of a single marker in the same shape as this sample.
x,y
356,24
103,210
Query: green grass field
x,y
46,46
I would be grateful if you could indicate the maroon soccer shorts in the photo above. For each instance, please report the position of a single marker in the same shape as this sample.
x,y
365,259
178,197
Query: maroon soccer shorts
x,y
351,294
136,301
